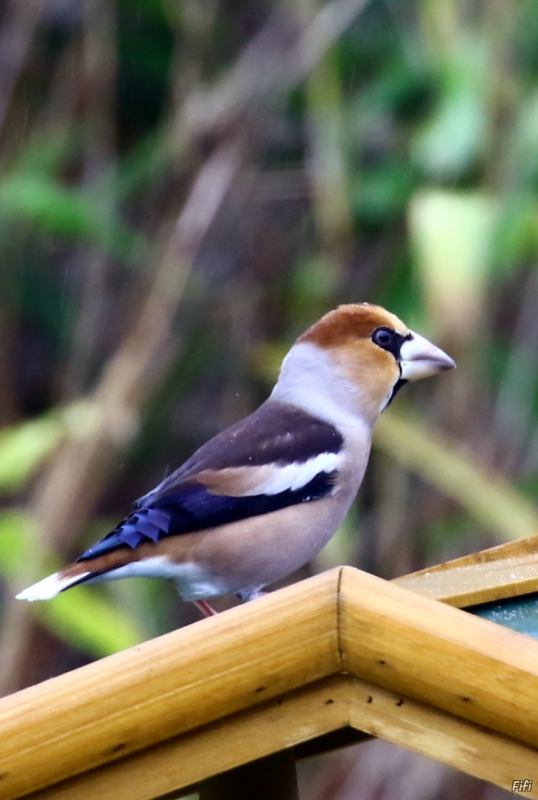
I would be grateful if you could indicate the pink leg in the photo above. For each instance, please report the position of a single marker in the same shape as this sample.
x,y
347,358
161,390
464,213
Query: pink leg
x,y
205,608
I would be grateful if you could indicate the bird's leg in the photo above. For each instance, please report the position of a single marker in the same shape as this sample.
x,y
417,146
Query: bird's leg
x,y
205,608
209,611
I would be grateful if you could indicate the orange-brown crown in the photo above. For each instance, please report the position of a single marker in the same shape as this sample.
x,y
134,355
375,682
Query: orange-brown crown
x,y
351,322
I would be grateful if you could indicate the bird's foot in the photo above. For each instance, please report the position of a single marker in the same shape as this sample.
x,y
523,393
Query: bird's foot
x,y
250,595
205,608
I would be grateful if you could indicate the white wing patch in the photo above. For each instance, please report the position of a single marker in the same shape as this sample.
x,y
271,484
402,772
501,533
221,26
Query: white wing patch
x,y
294,476
268,479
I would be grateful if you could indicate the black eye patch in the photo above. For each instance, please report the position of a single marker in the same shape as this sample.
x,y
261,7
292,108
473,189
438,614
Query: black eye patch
x,y
390,340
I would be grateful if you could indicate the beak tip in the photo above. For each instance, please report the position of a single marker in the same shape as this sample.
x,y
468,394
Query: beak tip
x,y
449,363
421,358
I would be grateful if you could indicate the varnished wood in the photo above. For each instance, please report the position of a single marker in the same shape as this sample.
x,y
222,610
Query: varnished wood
x,y
426,730
184,760
508,570
440,655
268,675
176,683
338,702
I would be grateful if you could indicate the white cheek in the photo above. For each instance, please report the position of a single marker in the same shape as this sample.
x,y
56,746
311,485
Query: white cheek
x,y
310,380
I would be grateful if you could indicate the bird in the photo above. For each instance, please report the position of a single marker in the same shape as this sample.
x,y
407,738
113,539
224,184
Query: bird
x,y
262,498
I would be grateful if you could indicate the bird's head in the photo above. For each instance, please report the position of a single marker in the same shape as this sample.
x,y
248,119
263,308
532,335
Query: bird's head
x,y
373,351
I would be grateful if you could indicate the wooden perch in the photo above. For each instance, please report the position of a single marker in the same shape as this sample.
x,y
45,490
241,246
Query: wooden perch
x,y
341,649
509,570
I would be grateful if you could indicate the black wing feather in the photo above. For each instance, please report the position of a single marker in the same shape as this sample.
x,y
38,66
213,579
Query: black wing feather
x,y
192,508
277,433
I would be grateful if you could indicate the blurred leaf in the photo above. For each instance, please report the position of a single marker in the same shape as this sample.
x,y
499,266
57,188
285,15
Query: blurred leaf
x,y
454,136
485,495
68,212
46,152
311,282
146,8
446,147
84,617
382,192
17,533
451,233
24,447
400,89
526,140
90,621
516,232
146,161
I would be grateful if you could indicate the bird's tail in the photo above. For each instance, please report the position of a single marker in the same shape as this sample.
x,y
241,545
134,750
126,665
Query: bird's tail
x,y
54,584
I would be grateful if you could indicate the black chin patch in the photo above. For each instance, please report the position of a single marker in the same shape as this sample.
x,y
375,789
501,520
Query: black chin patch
x,y
397,386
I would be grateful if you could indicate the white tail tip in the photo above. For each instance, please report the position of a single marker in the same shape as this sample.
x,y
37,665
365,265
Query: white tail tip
x,y
49,587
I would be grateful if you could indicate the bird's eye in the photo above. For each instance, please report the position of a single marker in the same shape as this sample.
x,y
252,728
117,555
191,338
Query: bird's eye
x,y
383,337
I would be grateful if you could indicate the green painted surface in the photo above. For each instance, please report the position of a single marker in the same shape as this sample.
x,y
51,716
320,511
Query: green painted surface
x,y
518,613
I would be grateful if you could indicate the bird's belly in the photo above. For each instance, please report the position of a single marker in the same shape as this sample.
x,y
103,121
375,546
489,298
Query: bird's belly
x,y
192,580
247,555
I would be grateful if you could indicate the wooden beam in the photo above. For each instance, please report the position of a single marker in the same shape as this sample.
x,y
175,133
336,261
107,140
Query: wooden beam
x,y
185,760
191,704
164,687
508,570
439,655
441,736
336,703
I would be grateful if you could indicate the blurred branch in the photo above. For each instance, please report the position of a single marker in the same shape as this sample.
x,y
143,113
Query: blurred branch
x,y
71,486
99,65
328,165
327,162
275,61
194,22
16,32
485,495
512,417
502,94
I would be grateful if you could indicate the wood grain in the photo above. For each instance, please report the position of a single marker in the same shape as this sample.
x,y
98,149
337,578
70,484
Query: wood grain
x,y
441,736
172,684
255,679
282,722
508,570
184,760
439,655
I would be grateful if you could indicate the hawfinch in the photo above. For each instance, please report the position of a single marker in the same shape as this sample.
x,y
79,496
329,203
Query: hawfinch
x,y
263,497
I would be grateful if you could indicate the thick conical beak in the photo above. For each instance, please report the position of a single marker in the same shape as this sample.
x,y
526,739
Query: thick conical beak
x,y
420,358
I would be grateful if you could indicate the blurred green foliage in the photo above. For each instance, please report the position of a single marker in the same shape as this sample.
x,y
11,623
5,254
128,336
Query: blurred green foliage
x,y
24,447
